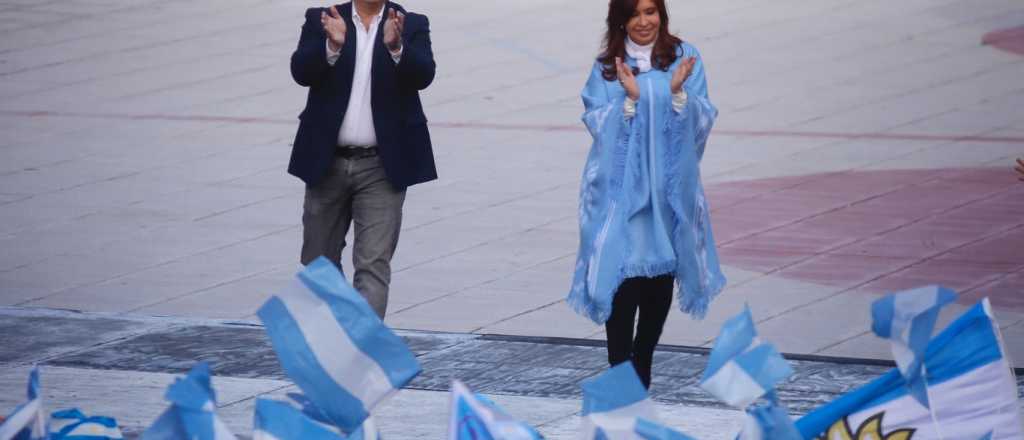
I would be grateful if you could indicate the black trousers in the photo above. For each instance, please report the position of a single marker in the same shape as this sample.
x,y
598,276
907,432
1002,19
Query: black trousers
x,y
652,298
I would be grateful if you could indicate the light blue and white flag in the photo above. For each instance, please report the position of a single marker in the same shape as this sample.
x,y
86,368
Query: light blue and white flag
x,y
612,403
972,387
309,412
73,424
769,421
192,412
649,430
28,421
907,319
473,417
281,421
741,367
334,347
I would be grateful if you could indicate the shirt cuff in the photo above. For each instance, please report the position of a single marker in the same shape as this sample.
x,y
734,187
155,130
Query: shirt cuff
x,y
629,108
397,55
332,56
679,100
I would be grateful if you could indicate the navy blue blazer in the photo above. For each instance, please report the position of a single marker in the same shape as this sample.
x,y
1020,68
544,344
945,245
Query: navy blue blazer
x,y
403,141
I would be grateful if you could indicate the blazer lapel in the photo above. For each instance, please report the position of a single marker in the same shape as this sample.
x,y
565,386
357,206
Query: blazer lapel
x,y
347,61
380,53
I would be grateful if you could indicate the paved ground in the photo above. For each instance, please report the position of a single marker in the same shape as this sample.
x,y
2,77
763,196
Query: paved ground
x,y
120,366
409,414
863,146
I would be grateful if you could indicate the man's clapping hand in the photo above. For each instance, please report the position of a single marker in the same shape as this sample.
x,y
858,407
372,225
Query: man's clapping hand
x,y
335,28
393,30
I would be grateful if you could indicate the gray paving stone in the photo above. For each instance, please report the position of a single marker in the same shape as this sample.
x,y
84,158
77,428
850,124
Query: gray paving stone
x,y
33,337
501,365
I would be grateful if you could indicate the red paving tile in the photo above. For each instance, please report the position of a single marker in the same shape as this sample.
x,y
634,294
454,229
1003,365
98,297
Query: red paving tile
x,y
838,185
846,224
844,271
983,175
1007,292
1006,248
959,227
730,227
921,240
791,239
1010,40
958,276
764,186
758,259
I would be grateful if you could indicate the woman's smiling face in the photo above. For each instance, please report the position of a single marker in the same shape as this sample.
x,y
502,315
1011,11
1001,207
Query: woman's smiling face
x,y
642,27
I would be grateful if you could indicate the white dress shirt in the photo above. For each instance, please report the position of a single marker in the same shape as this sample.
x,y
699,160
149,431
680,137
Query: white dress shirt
x,y
357,128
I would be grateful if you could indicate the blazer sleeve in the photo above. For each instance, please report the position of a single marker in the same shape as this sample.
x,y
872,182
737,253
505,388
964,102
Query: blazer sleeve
x,y
417,67
309,61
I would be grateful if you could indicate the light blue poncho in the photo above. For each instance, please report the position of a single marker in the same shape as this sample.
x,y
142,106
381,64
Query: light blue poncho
x,y
642,207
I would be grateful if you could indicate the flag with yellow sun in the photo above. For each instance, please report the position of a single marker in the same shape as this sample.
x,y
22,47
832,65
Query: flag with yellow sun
x,y
972,393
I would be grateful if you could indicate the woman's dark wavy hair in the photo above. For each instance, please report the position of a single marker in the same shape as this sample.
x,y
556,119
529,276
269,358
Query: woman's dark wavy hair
x,y
619,13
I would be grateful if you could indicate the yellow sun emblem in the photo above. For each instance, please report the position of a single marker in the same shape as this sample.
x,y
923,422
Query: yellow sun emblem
x,y
871,429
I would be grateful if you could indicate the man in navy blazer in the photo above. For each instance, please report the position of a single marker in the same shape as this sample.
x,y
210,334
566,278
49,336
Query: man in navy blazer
x,y
362,137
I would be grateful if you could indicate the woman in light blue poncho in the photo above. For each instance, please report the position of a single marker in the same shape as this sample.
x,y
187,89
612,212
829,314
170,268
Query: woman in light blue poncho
x,y
643,216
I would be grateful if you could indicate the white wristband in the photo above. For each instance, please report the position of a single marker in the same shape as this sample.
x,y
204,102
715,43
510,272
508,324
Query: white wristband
x,y
679,100
629,108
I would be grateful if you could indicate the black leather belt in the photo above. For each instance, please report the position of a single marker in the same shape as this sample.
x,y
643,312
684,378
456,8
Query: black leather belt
x,y
355,152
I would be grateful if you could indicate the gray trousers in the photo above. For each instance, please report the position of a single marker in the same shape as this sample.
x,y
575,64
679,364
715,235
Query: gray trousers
x,y
355,191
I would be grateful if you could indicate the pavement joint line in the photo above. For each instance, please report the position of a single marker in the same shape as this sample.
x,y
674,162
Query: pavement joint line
x,y
43,225
168,165
478,245
911,92
497,204
836,80
158,66
36,167
243,206
809,180
843,340
474,286
856,26
152,266
889,190
107,30
978,133
80,185
146,47
210,287
36,261
455,98
256,396
1001,276
509,318
188,84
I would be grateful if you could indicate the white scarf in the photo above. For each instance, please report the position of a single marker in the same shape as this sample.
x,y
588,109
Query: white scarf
x,y
642,54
